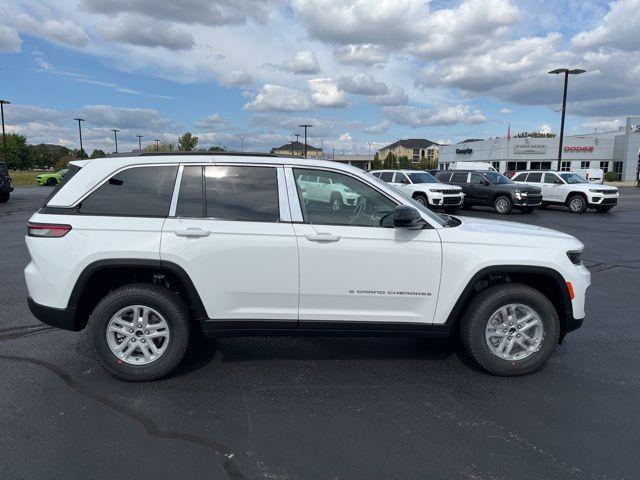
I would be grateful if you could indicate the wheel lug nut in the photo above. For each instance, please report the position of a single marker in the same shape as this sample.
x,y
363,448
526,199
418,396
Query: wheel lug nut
x,y
139,325
131,330
517,336
505,330
509,337
133,339
146,332
144,341
511,323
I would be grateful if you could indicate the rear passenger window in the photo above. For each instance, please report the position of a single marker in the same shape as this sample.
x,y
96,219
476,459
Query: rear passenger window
x,y
134,192
191,198
247,194
386,176
535,177
444,177
459,177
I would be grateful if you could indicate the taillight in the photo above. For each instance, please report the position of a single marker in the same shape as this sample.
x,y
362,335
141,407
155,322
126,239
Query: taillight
x,y
47,230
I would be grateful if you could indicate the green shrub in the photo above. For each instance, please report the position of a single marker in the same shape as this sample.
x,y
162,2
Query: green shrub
x,y
610,177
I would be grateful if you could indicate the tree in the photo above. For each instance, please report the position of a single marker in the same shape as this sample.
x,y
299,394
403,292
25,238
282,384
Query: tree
x,y
97,153
216,148
187,142
19,155
403,162
42,156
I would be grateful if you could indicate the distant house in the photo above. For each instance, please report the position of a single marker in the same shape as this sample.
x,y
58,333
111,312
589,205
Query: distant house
x,y
297,149
415,149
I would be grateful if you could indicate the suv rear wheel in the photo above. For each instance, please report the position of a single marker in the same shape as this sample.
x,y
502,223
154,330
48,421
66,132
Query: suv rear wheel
x,y
510,329
140,332
503,205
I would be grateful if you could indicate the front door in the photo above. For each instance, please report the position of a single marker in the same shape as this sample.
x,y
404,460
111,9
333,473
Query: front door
x,y
232,233
355,267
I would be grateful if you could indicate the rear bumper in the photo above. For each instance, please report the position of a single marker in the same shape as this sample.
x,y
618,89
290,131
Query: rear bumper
x,y
64,318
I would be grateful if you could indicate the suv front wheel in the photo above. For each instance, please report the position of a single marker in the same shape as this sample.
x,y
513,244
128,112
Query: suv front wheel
x,y
503,205
140,332
510,329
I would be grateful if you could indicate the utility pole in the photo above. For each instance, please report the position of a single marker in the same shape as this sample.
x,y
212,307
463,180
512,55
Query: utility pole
x,y
115,137
334,154
566,72
322,146
4,136
139,141
80,120
157,144
297,141
305,125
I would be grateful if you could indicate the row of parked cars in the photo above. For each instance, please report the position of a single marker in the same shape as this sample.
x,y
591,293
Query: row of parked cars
x,y
525,191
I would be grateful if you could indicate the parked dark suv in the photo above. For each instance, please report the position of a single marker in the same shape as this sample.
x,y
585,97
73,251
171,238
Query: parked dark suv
x,y
484,188
5,184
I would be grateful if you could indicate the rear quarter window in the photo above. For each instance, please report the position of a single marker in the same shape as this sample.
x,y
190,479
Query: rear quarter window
x,y
134,192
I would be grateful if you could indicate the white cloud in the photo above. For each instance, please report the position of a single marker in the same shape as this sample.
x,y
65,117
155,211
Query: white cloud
x,y
210,121
325,93
618,31
142,31
506,111
9,39
303,63
603,124
206,12
395,96
362,84
120,117
60,31
440,115
345,137
236,78
277,97
544,128
366,54
382,127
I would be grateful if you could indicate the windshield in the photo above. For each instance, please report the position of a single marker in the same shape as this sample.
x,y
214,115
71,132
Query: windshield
x,y
572,178
384,186
422,177
496,178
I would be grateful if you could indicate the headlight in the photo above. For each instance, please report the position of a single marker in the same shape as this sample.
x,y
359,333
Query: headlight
x,y
594,190
435,190
575,256
518,194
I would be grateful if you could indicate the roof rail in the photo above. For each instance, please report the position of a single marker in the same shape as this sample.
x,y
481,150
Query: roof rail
x,y
231,154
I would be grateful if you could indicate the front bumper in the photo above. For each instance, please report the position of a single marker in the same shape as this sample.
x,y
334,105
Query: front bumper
x,y
527,200
609,200
440,200
64,318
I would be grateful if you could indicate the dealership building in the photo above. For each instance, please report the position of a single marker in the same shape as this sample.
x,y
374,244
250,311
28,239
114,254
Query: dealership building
x,y
616,151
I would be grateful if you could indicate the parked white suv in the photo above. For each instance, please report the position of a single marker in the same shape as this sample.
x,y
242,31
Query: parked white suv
x,y
424,188
567,188
146,250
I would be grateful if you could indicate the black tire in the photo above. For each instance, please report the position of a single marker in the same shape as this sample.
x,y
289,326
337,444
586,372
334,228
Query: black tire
x,y
336,202
577,203
4,197
165,302
544,205
478,313
52,182
528,210
503,205
422,199
451,210
603,209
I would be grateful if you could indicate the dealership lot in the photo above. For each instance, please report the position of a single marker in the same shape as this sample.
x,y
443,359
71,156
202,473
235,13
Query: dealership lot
x,y
331,407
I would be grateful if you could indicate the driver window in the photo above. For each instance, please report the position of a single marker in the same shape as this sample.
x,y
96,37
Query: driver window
x,y
476,179
346,201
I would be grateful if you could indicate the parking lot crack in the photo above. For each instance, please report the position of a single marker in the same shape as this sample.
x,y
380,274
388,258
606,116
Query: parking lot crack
x,y
148,425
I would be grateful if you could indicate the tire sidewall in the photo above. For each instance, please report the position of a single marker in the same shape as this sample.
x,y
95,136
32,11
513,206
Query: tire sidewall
x,y
582,199
508,200
168,308
550,321
422,200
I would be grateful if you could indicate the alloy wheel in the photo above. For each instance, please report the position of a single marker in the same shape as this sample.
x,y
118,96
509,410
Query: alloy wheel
x,y
514,332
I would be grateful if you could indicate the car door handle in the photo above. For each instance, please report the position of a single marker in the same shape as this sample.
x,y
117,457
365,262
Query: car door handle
x,y
323,237
192,232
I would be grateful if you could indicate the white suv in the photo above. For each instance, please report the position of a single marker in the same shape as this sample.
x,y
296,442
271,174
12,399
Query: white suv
x,y
147,250
567,188
424,188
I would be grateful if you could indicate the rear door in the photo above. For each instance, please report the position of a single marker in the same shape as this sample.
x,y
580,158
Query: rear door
x,y
230,230
461,180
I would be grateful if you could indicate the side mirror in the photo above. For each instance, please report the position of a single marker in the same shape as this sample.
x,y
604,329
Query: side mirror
x,y
485,183
405,216
405,182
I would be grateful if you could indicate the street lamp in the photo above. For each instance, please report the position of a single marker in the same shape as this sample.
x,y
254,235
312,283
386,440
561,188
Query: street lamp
x,y
567,72
115,136
4,136
80,120
305,125
157,144
297,141
242,140
139,141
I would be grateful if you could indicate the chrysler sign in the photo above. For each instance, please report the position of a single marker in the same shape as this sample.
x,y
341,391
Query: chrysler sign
x,y
530,148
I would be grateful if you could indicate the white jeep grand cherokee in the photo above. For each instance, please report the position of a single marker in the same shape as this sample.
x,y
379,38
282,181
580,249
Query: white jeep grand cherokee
x,y
146,250
424,188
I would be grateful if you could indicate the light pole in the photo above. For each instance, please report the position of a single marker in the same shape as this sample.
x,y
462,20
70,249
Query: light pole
x,y
297,141
80,120
305,125
322,146
242,147
334,154
139,141
157,144
567,72
115,137
4,136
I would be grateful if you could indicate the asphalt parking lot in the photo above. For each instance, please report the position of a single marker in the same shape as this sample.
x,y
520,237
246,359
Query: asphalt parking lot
x,y
331,408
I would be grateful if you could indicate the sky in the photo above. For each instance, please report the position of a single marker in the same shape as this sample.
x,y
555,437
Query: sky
x,y
364,73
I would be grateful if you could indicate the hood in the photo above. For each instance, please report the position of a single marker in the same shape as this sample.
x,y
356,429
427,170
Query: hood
x,y
433,186
483,225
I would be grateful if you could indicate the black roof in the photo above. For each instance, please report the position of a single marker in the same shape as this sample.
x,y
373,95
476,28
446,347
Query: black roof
x,y
297,146
411,143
